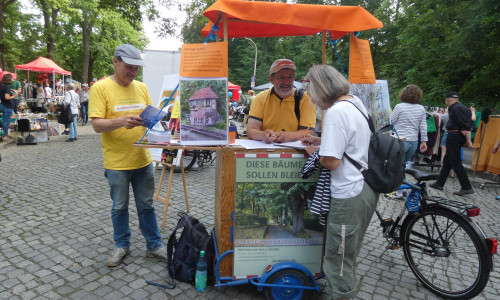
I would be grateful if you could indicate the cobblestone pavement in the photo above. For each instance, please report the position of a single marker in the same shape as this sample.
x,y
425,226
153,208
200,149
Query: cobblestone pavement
x,y
56,232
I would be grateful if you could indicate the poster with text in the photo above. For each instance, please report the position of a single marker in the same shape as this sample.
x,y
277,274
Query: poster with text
x,y
203,94
272,222
376,99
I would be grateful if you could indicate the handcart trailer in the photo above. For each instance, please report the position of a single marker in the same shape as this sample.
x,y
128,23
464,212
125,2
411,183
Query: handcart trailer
x,y
282,281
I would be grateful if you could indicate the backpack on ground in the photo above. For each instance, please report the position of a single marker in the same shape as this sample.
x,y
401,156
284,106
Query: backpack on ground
x,y
183,254
386,154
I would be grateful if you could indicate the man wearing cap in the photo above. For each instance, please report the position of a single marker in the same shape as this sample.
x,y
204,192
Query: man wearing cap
x,y
115,105
273,115
459,132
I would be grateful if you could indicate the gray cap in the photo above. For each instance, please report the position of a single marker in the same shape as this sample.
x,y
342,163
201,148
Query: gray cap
x,y
129,54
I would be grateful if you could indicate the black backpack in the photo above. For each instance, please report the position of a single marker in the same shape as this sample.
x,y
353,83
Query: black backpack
x,y
386,155
297,97
183,254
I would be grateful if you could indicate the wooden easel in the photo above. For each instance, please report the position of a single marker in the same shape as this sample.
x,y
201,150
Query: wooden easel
x,y
166,200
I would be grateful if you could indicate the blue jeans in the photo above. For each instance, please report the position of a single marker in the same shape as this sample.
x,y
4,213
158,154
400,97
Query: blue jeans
x,y
142,181
84,106
410,148
7,114
73,129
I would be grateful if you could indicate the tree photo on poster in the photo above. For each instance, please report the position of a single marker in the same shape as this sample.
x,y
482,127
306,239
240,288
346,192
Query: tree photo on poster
x,y
272,219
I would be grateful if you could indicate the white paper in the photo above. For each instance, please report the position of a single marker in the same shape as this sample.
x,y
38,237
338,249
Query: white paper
x,y
253,144
294,145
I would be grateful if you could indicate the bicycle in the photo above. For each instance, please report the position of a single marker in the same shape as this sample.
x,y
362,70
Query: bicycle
x,y
190,157
447,251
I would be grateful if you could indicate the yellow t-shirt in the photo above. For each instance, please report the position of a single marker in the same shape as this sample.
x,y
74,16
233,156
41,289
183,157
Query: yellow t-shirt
x,y
109,100
278,115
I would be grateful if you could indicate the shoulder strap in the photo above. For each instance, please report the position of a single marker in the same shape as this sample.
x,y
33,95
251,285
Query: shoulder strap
x,y
368,119
297,97
372,129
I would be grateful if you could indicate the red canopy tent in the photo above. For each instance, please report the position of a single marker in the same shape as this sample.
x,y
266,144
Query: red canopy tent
x,y
43,65
235,89
5,73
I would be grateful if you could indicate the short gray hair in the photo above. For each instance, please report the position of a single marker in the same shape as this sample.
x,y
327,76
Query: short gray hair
x,y
70,86
325,84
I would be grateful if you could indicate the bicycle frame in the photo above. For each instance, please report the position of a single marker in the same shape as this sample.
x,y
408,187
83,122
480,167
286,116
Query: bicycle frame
x,y
430,226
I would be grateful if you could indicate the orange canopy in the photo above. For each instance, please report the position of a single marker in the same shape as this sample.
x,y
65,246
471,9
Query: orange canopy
x,y
266,19
43,65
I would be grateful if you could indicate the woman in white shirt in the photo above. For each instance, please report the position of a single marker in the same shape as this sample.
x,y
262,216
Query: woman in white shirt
x,y
48,91
71,98
353,202
408,117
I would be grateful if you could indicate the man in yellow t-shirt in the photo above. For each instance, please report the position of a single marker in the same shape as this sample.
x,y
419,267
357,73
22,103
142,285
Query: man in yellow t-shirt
x,y
115,105
273,117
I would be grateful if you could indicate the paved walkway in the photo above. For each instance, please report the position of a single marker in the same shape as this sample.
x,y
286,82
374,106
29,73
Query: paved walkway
x,y
56,233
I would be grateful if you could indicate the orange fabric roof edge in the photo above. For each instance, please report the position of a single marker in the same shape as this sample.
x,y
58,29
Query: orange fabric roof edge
x,y
264,19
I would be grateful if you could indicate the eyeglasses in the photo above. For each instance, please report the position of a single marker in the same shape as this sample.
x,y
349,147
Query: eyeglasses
x,y
283,78
305,80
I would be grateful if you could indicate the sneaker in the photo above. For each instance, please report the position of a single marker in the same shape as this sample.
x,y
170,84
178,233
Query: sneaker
x,y
463,192
75,139
436,186
117,256
70,140
161,253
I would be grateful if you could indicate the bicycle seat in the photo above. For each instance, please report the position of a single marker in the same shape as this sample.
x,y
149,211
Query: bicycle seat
x,y
421,175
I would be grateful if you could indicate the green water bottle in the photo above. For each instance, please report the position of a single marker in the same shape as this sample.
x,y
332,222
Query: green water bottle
x,y
200,282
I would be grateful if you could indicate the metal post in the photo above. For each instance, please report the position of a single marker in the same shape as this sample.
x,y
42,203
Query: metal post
x,y
255,63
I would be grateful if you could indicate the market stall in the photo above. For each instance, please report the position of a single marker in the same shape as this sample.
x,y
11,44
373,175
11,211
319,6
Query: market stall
x,y
260,19
239,19
45,65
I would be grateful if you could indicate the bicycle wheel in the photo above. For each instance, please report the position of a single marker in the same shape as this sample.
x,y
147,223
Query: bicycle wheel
x,y
446,253
188,161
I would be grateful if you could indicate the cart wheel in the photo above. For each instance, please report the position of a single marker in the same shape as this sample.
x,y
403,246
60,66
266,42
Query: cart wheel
x,y
287,277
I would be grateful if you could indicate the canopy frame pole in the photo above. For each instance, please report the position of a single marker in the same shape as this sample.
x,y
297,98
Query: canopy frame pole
x,y
53,83
224,19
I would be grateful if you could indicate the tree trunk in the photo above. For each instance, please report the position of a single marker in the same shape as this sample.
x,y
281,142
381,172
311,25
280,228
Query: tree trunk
x,y
49,25
3,7
297,204
86,30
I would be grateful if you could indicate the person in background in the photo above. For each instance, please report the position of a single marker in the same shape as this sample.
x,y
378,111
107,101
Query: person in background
x,y
6,103
272,115
48,91
459,132
114,107
40,98
353,202
249,105
72,99
408,118
84,103
494,150
444,122
16,86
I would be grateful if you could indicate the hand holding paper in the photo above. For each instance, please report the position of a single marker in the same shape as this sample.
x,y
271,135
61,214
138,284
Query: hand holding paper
x,y
150,114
